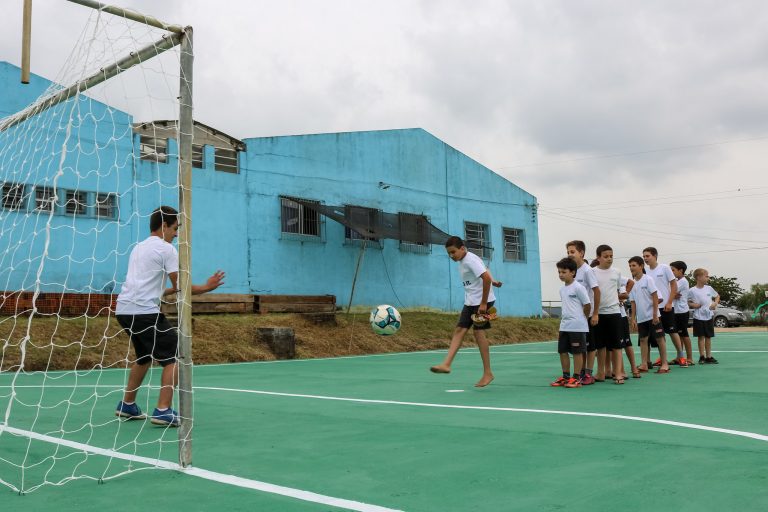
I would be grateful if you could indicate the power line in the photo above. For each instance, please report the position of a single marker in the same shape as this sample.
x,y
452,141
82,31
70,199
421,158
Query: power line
x,y
683,253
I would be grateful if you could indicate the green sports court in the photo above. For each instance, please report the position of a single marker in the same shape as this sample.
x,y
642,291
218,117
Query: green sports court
x,y
381,432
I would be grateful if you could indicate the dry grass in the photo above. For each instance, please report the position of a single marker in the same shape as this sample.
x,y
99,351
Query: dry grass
x,y
85,343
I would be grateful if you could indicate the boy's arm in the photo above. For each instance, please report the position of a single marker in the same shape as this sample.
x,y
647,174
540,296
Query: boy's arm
x,y
586,309
487,280
632,315
174,277
213,282
715,302
596,291
495,283
672,295
655,300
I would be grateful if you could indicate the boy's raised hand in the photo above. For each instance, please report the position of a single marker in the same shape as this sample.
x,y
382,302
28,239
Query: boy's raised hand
x,y
216,280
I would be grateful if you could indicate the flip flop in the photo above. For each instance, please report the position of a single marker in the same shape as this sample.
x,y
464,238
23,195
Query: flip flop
x,y
642,370
636,375
662,371
618,381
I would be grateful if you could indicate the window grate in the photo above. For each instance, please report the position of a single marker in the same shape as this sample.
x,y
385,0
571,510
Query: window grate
x,y
297,219
153,149
514,244
477,239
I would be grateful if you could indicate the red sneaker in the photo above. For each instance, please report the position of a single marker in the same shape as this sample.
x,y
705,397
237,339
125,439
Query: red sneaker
x,y
573,383
682,362
657,362
587,380
561,381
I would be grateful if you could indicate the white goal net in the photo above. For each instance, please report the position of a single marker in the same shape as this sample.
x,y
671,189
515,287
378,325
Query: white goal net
x,y
85,157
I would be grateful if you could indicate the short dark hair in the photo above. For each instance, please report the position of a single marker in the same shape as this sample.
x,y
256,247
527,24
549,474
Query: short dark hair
x,y
454,241
639,260
652,250
567,264
163,214
602,248
679,265
595,262
578,244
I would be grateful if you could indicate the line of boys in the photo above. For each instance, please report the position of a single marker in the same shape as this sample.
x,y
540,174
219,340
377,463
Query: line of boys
x,y
595,325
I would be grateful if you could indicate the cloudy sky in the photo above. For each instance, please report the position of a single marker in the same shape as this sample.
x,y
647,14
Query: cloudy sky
x,y
633,123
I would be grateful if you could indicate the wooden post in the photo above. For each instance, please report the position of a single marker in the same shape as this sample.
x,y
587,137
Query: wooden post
x,y
26,41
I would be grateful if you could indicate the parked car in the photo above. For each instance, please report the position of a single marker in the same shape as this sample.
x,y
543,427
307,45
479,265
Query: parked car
x,y
725,317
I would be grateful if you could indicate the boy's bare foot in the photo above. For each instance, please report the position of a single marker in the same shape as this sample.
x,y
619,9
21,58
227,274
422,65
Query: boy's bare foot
x,y
440,368
487,379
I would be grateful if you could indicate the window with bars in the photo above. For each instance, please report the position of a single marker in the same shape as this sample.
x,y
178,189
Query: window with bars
x,y
13,196
414,225
153,149
44,201
198,156
76,202
365,218
477,239
297,219
514,244
106,206
225,160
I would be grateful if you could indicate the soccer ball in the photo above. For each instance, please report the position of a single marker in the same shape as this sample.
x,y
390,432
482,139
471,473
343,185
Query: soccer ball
x,y
385,320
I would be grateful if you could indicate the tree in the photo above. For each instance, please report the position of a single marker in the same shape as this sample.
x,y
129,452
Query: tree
x,y
752,299
730,291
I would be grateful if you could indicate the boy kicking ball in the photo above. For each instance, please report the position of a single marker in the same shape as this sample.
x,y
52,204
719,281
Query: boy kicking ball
x,y
478,299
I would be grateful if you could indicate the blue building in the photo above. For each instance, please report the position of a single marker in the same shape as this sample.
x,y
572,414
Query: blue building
x,y
250,213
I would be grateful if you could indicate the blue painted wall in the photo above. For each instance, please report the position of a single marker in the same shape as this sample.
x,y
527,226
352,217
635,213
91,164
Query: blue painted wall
x,y
236,217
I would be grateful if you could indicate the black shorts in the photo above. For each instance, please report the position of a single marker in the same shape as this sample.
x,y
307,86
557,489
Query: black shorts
x,y
571,342
591,346
626,339
705,328
465,319
648,330
609,331
681,324
152,337
668,320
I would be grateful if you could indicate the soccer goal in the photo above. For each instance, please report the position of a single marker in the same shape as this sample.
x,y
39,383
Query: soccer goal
x,y
85,157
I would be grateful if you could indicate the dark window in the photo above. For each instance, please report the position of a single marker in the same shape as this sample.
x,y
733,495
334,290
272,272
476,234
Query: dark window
x,y
76,202
13,196
297,219
514,244
414,233
365,220
477,239
106,206
198,156
153,149
44,199
225,160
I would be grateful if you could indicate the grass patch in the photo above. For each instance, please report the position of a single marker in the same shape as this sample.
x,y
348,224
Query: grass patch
x,y
86,343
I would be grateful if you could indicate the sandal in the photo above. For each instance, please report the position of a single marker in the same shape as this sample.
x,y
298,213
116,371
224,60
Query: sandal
x,y
620,380
636,375
666,370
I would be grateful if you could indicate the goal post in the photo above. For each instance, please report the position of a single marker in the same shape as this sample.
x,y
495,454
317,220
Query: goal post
x,y
36,157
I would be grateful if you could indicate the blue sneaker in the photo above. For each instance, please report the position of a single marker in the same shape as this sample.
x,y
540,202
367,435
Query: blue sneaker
x,y
129,412
168,417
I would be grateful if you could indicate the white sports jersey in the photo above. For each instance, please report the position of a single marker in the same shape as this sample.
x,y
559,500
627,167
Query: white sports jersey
x,y
586,278
573,298
681,303
704,296
471,267
641,295
148,267
609,281
662,275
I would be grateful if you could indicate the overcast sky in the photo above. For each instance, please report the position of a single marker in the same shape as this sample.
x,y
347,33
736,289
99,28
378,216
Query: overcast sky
x,y
633,123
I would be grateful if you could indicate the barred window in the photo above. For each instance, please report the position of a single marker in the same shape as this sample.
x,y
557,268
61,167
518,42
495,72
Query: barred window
x,y
198,158
44,199
477,239
514,244
76,202
414,233
153,149
295,218
106,206
366,218
225,160
13,196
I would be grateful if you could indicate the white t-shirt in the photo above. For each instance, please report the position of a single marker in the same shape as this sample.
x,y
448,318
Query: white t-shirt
x,y
681,303
662,275
623,289
641,295
586,278
573,297
471,267
704,296
609,281
148,267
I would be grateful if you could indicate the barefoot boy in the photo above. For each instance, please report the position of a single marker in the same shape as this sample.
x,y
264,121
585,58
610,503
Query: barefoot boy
x,y
703,300
573,324
478,298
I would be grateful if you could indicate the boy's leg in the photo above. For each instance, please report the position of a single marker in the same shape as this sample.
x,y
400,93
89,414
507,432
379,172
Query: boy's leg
x,y
168,381
708,346
600,364
135,378
687,346
458,336
631,356
565,363
578,361
644,353
702,347
618,366
663,354
678,345
485,355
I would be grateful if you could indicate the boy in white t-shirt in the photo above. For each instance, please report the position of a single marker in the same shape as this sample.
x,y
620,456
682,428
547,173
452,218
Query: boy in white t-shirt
x,y
478,299
626,338
609,328
703,300
573,324
151,263
682,311
666,284
645,314
585,277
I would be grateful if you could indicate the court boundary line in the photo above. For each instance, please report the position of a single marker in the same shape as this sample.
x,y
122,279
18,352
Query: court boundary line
x,y
248,483
693,426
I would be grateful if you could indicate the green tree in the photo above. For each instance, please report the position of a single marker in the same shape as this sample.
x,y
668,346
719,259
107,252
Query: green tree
x,y
754,297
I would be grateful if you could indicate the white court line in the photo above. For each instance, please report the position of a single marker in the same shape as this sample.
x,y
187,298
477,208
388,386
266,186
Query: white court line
x,y
694,426
205,474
